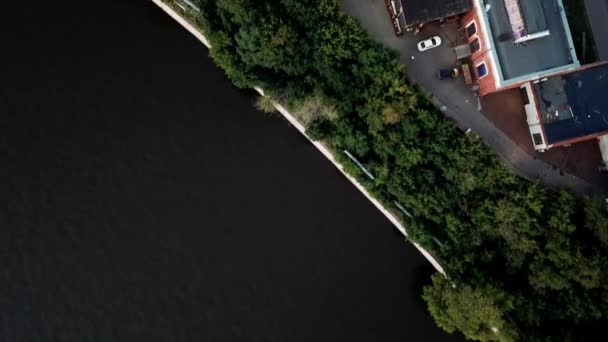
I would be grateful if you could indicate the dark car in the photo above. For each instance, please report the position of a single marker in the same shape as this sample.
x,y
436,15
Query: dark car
x,y
444,74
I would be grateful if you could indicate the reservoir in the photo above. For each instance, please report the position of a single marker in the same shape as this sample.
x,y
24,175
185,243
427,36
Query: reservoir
x,y
143,198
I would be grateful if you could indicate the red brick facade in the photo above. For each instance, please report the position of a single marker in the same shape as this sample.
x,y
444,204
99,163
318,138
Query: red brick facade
x,y
574,140
579,139
487,83
481,56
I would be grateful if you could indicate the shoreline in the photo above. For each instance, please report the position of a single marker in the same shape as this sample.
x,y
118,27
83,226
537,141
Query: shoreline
x,y
326,152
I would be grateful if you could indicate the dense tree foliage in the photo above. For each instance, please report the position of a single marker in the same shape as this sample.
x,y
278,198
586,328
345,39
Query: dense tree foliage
x,y
474,312
514,248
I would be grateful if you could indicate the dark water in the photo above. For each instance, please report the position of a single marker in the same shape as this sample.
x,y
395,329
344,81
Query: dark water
x,y
143,199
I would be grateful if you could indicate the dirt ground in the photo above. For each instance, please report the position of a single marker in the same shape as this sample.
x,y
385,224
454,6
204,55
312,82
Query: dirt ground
x,y
506,110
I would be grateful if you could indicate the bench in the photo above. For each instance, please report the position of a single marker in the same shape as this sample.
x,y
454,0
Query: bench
x,y
466,73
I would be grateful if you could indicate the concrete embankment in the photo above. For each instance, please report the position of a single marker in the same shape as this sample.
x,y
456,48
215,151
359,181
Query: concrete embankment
x,y
326,152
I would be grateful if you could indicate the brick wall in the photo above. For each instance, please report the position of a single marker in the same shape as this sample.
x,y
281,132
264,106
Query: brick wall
x,y
481,56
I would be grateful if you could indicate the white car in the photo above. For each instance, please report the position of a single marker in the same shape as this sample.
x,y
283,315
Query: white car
x,y
428,44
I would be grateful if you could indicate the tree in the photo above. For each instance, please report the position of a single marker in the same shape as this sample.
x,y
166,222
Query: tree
x,y
320,129
596,219
265,104
502,236
314,107
470,311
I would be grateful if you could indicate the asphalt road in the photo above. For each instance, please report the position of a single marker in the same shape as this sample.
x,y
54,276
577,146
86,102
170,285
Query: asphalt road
x,y
461,103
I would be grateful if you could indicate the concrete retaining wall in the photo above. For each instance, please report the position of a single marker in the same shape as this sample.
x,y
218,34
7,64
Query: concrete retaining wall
x,y
197,33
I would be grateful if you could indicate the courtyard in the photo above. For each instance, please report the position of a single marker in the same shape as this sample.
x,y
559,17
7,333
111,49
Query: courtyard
x,y
506,110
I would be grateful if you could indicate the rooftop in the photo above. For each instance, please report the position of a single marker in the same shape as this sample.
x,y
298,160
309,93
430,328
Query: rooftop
x,y
422,11
575,104
530,39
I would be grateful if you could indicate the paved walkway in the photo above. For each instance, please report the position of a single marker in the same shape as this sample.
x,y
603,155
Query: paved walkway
x,y
460,102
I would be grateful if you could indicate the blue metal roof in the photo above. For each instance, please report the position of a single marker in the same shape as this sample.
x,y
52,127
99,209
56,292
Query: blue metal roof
x,y
574,105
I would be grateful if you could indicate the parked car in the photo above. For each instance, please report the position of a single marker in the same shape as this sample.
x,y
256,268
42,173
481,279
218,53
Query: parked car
x,y
428,44
444,74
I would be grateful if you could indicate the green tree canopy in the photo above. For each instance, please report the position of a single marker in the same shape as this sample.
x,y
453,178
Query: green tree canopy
x,y
473,312
545,250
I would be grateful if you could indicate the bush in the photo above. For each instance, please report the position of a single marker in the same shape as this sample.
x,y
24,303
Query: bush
x,y
265,104
320,130
313,108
